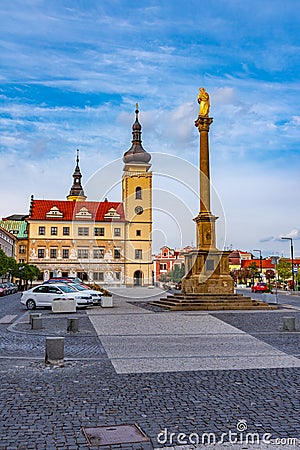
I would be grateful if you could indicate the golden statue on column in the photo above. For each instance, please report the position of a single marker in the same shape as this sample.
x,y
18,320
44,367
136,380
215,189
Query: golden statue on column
x,y
203,100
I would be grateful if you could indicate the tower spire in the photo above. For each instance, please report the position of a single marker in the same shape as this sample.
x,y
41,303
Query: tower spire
x,y
136,154
76,191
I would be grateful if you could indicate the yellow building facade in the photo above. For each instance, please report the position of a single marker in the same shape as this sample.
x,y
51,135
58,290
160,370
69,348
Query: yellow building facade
x,y
108,243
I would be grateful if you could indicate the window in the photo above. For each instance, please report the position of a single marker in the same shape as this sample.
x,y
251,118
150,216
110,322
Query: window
x,y
138,193
98,253
53,231
99,231
118,275
83,231
138,254
22,260
53,253
42,231
54,290
98,276
66,231
42,289
163,266
138,232
83,253
41,253
117,231
117,253
22,249
65,254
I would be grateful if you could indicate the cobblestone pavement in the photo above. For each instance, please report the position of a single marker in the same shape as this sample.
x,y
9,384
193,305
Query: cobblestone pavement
x,y
46,407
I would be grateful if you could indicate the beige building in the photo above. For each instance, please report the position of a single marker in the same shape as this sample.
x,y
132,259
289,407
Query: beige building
x,y
102,242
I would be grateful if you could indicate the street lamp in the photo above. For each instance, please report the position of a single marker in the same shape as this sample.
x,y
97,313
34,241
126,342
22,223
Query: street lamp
x,y
260,261
292,257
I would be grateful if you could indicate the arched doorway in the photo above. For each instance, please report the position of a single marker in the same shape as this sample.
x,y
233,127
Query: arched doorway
x,y
138,278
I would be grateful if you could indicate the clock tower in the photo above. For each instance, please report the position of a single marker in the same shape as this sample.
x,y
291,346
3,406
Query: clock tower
x,y
137,201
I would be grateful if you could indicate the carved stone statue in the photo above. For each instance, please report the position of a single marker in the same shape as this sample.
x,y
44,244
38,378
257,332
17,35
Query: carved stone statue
x,y
203,100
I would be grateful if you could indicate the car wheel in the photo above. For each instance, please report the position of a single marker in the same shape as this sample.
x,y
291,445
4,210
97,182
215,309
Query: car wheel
x,y
30,304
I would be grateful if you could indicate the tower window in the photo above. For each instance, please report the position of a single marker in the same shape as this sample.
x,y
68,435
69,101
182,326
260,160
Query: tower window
x,y
138,232
138,254
138,193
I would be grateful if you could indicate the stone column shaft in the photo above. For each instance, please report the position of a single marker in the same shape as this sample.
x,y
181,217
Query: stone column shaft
x,y
203,124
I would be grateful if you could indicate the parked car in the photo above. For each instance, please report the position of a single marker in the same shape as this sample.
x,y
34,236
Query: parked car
x,y
259,287
11,288
96,295
43,295
2,290
64,280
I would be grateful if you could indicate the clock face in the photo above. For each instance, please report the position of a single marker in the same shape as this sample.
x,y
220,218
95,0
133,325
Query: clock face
x,y
138,210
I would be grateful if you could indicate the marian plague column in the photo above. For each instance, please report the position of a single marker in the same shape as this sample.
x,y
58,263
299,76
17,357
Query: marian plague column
x,y
207,268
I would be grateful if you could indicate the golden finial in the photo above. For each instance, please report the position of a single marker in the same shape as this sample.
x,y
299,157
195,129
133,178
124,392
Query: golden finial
x,y
136,106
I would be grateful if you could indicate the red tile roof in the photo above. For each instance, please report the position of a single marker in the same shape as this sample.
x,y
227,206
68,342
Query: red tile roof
x,y
265,263
69,209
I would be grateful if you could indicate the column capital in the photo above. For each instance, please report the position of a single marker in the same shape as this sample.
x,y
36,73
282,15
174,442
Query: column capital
x,y
203,123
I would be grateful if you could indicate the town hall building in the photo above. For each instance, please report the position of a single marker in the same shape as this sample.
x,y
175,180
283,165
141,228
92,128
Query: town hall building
x,y
103,242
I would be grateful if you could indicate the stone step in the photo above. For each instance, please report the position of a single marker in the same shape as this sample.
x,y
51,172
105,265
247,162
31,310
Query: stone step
x,y
206,302
213,306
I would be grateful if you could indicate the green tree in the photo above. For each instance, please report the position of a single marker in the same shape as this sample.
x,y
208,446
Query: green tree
x,y
284,269
270,275
177,273
28,273
3,263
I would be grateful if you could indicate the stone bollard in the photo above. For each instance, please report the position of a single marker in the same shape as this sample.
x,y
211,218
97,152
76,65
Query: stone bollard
x,y
36,323
289,324
54,350
73,325
31,315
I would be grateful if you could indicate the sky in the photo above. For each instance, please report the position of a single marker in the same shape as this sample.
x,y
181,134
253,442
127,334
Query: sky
x,y
72,72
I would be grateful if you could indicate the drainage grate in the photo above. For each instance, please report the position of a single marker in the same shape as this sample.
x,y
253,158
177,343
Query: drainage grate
x,y
114,434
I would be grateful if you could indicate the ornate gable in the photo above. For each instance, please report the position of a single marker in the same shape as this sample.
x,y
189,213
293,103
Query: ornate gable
x,y
84,213
54,212
112,214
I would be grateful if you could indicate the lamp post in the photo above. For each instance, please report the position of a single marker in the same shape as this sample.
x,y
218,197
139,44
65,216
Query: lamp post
x,y
260,261
292,257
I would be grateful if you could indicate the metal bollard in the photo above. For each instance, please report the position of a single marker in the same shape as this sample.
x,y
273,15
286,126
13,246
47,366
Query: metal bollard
x,y
31,315
289,324
36,323
73,325
54,350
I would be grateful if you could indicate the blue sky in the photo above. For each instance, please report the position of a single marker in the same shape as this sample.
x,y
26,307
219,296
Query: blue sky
x,y
72,71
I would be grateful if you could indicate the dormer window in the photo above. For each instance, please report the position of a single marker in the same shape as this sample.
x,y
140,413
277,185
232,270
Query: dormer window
x,y
112,213
54,212
83,214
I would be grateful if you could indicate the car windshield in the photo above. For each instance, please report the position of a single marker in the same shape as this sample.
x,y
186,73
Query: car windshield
x,y
78,287
66,288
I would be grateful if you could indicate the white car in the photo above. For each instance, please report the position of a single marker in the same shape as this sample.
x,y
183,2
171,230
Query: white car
x,y
44,294
96,295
